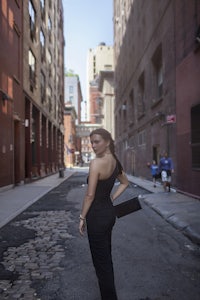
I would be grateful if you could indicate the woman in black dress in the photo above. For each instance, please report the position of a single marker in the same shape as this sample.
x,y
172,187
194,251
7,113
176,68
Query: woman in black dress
x,y
98,211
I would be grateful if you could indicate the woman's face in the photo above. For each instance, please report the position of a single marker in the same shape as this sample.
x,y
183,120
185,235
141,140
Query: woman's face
x,y
99,145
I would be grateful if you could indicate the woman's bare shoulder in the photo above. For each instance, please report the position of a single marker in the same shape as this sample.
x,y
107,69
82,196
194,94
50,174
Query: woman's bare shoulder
x,y
95,163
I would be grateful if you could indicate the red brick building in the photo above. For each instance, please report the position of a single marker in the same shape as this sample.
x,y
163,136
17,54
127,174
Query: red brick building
x,y
70,117
31,89
95,104
156,87
187,32
11,98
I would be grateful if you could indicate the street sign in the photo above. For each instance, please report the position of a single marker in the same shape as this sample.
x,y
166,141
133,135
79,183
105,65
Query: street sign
x,y
170,119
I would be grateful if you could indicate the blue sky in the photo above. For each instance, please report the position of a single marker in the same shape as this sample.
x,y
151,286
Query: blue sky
x,y
86,24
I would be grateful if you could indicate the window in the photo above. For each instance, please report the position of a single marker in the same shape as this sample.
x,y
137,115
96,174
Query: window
x,y
158,73
42,45
71,89
32,20
49,28
42,38
42,7
71,98
49,95
42,88
131,107
32,69
141,138
140,104
16,62
49,24
195,136
42,3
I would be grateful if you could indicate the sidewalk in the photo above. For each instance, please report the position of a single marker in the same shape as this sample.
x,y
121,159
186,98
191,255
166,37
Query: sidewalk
x,y
17,199
181,211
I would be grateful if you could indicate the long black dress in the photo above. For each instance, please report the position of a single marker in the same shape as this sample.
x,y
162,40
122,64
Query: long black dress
x,y
100,220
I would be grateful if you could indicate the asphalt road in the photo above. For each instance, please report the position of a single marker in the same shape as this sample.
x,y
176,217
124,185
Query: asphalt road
x,y
42,255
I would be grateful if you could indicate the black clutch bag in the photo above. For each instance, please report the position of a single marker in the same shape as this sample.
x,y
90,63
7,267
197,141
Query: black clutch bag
x,y
127,207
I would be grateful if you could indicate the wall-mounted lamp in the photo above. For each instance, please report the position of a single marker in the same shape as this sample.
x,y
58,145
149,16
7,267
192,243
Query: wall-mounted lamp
x,y
123,107
26,122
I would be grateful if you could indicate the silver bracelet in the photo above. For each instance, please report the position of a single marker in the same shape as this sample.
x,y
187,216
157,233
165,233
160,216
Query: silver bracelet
x,y
81,218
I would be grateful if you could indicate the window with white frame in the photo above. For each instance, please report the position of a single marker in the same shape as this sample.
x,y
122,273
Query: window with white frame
x,y
42,45
32,20
158,73
32,67
42,7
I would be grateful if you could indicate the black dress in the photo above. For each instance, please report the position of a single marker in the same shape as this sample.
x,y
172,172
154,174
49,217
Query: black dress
x,y
100,220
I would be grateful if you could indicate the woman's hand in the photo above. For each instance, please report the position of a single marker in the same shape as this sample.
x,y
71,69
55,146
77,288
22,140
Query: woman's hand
x,y
82,226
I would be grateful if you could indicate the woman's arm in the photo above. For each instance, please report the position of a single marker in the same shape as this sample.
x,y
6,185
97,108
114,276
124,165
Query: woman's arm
x,y
123,185
90,193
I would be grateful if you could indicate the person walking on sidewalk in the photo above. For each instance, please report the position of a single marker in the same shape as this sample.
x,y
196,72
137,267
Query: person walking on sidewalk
x,y
98,210
154,171
166,168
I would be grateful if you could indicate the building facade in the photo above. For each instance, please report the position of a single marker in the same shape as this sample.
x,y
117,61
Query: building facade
x,y
106,87
31,89
73,93
154,50
95,103
187,47
43,85
98,59
12,114
70,139
72,118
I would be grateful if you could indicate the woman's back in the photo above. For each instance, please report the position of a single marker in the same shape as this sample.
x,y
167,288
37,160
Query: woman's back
x,y
105,166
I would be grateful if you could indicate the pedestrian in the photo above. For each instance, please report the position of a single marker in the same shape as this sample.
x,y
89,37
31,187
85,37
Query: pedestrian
x,y
154,172
166,168
98,210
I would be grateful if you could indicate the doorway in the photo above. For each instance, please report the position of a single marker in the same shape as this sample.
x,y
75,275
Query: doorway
x,y
156,153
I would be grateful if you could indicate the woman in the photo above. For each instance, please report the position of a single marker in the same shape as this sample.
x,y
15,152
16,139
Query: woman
x,y
98,211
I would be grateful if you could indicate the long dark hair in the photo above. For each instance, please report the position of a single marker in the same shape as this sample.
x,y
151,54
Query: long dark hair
x,y
107,137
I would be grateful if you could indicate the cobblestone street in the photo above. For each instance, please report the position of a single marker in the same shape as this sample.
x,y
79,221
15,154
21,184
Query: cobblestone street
x,y
38,258
33,245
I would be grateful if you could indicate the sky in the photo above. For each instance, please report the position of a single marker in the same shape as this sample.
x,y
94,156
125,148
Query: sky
x,y
86,24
